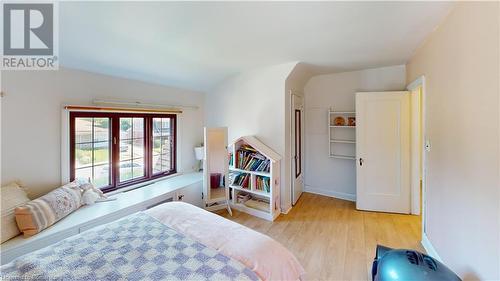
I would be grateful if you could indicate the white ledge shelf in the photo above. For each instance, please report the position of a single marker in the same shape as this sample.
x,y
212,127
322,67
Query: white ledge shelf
x,y
342,157
343,141
256,192
264,174
342,112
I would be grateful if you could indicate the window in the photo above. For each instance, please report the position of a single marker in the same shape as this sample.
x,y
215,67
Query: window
x,y
114,150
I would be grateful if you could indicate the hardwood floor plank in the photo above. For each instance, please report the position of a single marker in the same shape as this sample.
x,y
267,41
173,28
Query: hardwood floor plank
x,y
333,240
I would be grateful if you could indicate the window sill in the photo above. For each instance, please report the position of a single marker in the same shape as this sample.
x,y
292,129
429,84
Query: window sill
x,y
87,217
142,184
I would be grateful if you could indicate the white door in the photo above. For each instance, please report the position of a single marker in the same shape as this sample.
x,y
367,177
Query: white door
x,y
383,151
297,131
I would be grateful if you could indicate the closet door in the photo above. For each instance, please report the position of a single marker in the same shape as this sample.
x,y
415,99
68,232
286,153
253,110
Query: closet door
x,y
216,166
383,151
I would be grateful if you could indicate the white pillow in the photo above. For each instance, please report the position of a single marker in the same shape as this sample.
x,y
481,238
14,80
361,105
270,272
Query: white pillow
x,y
12,196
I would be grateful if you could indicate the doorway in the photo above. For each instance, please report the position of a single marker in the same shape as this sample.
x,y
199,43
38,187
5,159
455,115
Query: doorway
x,y
297,146
420,147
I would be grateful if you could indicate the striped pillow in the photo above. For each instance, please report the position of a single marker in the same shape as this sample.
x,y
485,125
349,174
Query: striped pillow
x,y
44,211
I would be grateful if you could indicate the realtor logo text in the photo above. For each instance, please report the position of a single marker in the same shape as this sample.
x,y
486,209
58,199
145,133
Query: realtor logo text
x,y
29,37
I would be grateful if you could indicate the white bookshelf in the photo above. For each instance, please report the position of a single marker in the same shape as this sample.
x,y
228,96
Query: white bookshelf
x,y
341,138
265,204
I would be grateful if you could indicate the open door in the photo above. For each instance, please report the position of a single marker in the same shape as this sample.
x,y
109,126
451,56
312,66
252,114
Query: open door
x,y
215,169
383,151
297,147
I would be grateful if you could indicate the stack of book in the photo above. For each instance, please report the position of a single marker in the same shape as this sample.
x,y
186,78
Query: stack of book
x,y
247,158
258,203
242,180
243,197
262,184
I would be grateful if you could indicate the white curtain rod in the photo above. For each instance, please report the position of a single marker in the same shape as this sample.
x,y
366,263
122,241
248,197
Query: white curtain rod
x,y
142,105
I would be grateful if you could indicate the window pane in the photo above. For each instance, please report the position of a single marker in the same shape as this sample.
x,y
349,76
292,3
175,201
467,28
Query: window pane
x,y
84,173
165,162
101,129
138,168
92,150
138,148
101,153
156,164
156,126
138,125
125,170
125,128
101,175
125,150
165,126
83,155
157,143
83,130
131,148
162,141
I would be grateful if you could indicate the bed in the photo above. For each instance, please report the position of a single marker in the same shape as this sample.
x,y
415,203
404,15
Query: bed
x,y
172,241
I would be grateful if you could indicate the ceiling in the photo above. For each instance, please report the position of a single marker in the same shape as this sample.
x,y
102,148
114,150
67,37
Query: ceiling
x,y
195,45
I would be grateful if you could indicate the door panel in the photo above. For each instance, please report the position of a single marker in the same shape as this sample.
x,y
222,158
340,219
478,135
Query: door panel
x,y
383,151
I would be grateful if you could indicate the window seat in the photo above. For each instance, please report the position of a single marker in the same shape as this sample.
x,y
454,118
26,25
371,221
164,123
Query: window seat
x,y
87,217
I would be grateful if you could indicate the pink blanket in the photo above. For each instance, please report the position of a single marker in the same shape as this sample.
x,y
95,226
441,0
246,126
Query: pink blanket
x,y
266,257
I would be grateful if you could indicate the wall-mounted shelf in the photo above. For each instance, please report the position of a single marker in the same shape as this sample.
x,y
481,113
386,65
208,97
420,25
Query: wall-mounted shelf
x,y
343,157
342,142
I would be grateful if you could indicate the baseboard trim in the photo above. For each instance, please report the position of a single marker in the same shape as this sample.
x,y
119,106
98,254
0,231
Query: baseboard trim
x,y
286,211
330,193
426,243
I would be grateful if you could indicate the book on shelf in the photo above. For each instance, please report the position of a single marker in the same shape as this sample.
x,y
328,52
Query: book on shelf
x,y
247,158
262,184
241,179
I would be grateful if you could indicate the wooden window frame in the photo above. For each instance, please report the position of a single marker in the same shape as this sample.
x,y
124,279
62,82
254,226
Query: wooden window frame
x,y
114,144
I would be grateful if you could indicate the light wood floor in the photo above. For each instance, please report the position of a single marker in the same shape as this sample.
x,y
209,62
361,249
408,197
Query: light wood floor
x,y
331,239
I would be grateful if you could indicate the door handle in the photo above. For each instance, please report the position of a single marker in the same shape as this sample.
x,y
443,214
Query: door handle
x,y
360,161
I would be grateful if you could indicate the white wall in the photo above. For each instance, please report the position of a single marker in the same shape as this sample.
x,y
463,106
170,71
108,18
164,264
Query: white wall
x,y
330,176
460,62
32,110
253,103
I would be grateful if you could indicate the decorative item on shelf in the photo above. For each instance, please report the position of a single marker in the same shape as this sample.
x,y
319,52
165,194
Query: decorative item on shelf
x,y
339,121
351,121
